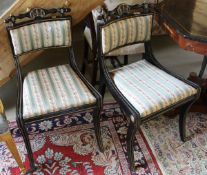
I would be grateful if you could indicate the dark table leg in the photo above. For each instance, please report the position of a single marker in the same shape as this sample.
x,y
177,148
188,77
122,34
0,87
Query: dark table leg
x,y
201,104
203,67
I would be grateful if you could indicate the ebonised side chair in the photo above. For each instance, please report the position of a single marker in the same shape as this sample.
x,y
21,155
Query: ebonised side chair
x,y
144,89
90,43
54,91
90,39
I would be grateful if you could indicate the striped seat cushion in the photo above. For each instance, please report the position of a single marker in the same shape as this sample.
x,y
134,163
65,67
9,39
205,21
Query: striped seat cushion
x,y
126,31
41,35
53,89
126,50
148,88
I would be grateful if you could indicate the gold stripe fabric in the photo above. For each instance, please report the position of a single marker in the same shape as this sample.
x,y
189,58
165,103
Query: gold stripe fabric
x,y
41,35
148,88
126,31
53,89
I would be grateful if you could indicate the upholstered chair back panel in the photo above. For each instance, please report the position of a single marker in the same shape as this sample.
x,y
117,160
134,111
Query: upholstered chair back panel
x,y
126,31
41,35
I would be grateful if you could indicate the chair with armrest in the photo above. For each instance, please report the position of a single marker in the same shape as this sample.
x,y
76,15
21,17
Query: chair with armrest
x,y
90,43
144,89
49,92
90,39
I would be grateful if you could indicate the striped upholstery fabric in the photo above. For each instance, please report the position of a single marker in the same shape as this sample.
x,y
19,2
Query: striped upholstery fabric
x,y
148,88
41,35
126,31
126,50
53,89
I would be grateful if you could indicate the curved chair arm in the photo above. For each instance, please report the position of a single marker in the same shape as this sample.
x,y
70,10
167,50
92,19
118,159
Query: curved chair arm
x,y
20,78
115,91
89,86
151,58
104,72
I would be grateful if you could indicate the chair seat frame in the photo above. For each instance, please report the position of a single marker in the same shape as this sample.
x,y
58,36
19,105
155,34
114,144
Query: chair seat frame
x,y
39,15
131,113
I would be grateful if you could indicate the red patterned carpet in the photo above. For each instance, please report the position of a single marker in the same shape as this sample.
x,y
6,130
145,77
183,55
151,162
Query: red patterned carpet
x,y
69,147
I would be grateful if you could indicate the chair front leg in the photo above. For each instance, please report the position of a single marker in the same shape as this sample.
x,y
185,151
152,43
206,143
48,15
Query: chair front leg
x,y
96,120
130,144
182,119
25,136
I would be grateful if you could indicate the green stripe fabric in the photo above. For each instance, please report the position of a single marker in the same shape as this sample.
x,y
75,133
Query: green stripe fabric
x,y
53,34
148,88
31,38
126,50
79,86
52,84
147,28
126,31
53,89
66,88
28,98
20,46
63,33
71,85
48,92
37,99
41,35
42,92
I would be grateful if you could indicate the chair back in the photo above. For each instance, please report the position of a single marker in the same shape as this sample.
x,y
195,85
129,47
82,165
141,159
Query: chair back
x,y
125,30
42,32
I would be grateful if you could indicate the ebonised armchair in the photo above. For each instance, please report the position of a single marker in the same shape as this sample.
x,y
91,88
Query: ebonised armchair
x,y
90,43
54,91
144,89
90,39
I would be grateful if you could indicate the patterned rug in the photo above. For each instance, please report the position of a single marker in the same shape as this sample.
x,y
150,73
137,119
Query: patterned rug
x,y
69,146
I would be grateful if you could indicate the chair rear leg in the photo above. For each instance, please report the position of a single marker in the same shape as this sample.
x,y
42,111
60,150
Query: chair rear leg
x,y
130,144
102,89
85,59
96,119
182,119
94,72
102,85
112,60
126,60
27,145
203,67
